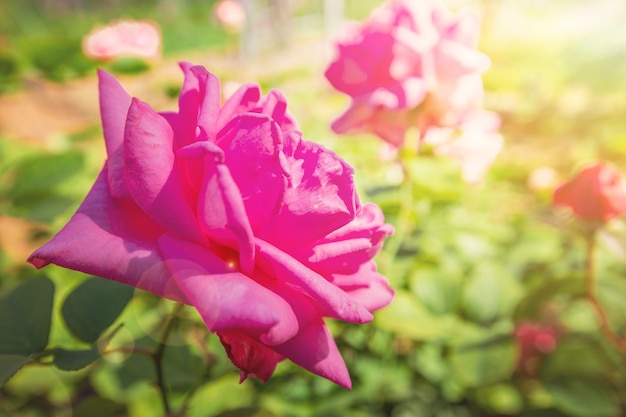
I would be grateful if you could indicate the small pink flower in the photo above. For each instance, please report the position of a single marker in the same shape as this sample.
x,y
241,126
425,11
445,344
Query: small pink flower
x,y
230,14
139,39
411,64
534,340
228,209
543,178
597,193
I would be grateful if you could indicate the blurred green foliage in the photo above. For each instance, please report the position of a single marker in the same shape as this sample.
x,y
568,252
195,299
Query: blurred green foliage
x,y
469,264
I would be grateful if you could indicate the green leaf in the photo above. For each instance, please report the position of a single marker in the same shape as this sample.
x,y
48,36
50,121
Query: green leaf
x,y
490,293
45,208
129,65
583,396
502,399
182,369
73,360
97,407
126,382
612,294
430,363
9,365
25,317
566,359
409,318
58,57
531,305
435,178
437,289
36,175
220,395
482,296
484,363
380,381
93,306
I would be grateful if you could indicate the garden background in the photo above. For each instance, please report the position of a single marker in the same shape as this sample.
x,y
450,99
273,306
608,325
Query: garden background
x,y
471,264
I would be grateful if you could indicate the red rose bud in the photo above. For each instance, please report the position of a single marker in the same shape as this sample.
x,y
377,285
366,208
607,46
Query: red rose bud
x,y
596,193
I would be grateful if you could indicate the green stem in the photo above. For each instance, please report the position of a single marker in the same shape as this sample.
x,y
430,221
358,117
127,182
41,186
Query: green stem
x,y
404,225
592,296
157,357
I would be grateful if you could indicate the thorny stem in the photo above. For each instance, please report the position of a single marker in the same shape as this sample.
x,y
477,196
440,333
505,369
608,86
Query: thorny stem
x,y
592,296
157,357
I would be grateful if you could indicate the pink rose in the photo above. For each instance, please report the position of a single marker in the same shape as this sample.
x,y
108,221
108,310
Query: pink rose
x,y
411,64
597,193
228,209
123,38
230,14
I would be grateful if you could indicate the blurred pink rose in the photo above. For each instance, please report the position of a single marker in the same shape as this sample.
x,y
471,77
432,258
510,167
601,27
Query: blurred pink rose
x,y
228,209
139,39
598,192
230,14
411,64
474,148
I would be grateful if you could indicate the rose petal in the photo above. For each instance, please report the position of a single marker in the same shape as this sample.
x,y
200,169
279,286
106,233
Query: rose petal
x,y
189,102
454,59
322,191
209,109
319,197
405,94
481,121
314,349
112,239
224,215
221,210
334,255
243,100
354,72
252,146
369,220
151,174
356,116
390,125
366,286
331,300
347,248
114,104
224,297
465,29
275,106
